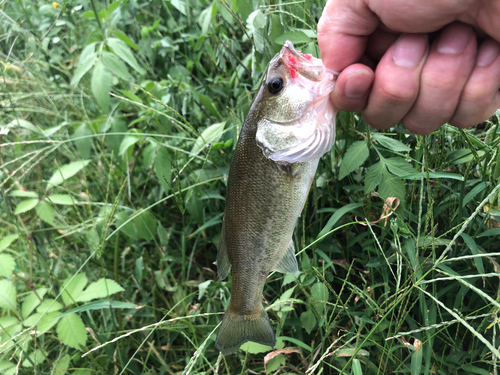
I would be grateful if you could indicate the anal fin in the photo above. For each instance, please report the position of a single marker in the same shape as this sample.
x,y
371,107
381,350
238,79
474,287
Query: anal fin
x,y
288,264
223,265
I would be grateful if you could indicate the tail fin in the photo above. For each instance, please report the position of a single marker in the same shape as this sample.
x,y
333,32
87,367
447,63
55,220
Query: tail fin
x,y
237,329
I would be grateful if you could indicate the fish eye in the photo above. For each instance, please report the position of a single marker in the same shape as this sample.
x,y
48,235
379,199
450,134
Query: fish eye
x,y
275,85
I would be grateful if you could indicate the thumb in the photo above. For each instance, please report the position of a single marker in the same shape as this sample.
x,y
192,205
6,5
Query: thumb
x,y
343,31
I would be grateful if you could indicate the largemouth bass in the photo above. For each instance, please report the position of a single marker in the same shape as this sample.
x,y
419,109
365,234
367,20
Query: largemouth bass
x,y
290,125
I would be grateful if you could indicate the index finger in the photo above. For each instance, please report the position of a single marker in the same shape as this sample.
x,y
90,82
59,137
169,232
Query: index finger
x,y
343,31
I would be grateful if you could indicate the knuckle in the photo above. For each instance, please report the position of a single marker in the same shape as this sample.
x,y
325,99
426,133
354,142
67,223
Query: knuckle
x,y
397,92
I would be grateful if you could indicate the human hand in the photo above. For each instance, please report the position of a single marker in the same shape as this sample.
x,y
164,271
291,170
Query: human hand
x,y
424,84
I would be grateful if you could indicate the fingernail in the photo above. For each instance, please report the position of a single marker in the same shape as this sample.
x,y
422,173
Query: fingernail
x,y
487,54
409,50
357,84
453,40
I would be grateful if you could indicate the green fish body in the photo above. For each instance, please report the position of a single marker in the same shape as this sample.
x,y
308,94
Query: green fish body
x,y
290,125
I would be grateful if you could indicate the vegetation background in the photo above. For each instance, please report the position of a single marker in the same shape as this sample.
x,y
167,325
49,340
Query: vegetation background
x,y
111,205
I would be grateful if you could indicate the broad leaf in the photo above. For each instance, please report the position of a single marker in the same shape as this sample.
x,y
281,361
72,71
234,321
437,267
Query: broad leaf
x,y
8,295
146,224
209,135
73,287
32,301
355,155
99,289
308,320
71,331
116,65
64,199
83,140
37,357
319,294
373,177
10,326
392,186
296,37
7,240
7,264
49,305
129,140
399,166
23,194
390,143
163,168
66,171
102,80
124,52
62,365
25,206
86,61
45,212
44,321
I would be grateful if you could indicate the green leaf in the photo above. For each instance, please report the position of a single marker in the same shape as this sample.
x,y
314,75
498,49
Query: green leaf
x,y
129,140
99,289
32,301
5,365
308,320
62,365
392,186
45,212
8,295
163,168
489,232
49,305
25,125
10,326
475,191
25,206
208,103
180,5
336,216
37,357
7,240
23,194
7,264
63,199
432,175
209,135
390,143
120,35
44,321
275,362
373,177
131,96
122,51
86,61
82,140
102,80
399,166
296,37
99,305
207,16
355,155
146,224
471,244
73,287
319,295
66,171
71,331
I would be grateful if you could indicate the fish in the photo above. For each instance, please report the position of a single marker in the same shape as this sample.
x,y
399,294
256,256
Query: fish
x,y
290,125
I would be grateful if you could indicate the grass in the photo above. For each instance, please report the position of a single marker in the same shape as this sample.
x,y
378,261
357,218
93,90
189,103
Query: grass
x,y
111,206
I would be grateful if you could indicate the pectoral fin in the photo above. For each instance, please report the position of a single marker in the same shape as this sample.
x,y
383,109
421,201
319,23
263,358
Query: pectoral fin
x,y
288,264
223,265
